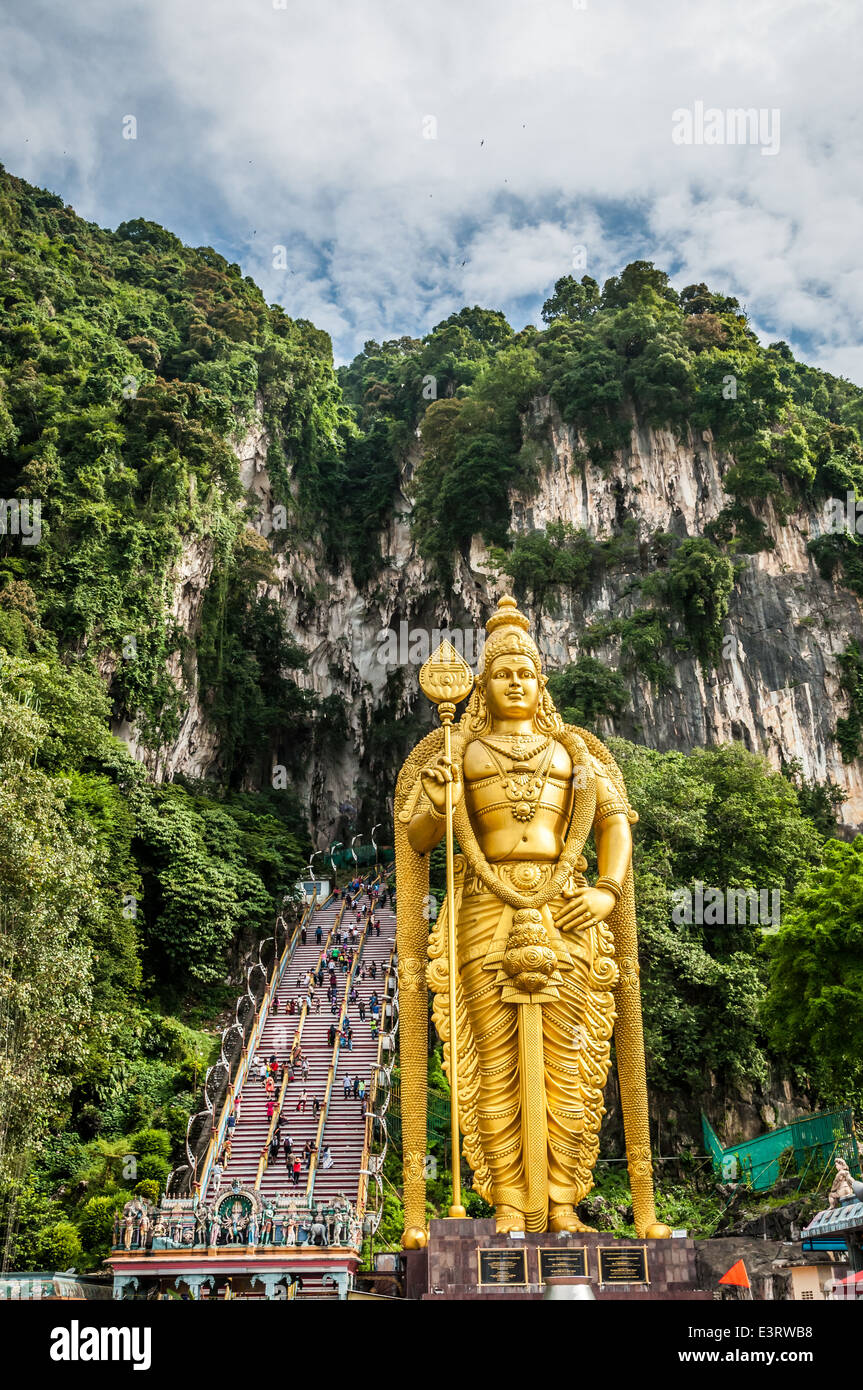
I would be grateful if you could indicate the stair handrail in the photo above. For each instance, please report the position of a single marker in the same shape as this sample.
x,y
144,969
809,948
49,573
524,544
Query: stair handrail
x,y
263,1161
313,1166
236,1085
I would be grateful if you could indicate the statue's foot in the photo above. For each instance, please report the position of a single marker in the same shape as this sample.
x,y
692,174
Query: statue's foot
x,y
565,1219
508,1219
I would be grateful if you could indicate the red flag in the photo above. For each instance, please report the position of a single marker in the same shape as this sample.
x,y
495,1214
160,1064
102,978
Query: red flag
x,y
736,1275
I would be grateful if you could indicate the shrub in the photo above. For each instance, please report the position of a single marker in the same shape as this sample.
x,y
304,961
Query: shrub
x,y
149,1189
96,1223
59,1247
700,582
152,1166
151,1141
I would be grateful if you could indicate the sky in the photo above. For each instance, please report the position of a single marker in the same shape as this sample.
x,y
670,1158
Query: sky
x,y
377,164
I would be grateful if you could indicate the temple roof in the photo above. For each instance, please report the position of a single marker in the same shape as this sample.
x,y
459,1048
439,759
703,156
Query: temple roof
x,y
848,1216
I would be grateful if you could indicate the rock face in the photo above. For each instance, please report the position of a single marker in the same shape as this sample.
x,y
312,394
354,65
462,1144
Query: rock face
x,y
195,749
737,1113
778,693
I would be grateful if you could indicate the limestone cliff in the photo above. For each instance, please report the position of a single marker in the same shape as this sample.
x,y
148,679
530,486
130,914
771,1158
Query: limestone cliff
x,y
778,692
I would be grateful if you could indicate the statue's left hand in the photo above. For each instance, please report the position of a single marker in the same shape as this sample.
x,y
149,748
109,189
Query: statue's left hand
x,y
587,905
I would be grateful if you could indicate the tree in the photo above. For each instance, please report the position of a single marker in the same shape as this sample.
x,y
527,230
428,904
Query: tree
x,y
703,985
849,729
623,289
472,458
773,842
698,299
814,1011
572,299
586,692
50,909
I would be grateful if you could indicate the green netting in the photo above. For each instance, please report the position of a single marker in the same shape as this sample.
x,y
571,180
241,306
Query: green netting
x,y
813,1142
438,1117
344,859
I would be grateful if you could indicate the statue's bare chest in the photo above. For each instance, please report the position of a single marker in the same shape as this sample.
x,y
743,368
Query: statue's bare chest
x,y
508,784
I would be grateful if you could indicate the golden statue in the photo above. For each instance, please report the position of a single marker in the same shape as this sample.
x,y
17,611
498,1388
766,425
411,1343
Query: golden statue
x,y
547,964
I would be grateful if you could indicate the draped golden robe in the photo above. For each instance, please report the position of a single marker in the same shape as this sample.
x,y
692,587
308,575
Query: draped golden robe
x,y
559,1090
532,1067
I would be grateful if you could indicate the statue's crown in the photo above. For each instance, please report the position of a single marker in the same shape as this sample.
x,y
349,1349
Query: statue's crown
x,y
507,615
507,630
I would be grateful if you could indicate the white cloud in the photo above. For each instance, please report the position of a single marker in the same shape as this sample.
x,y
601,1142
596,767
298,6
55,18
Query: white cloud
x,y
304,127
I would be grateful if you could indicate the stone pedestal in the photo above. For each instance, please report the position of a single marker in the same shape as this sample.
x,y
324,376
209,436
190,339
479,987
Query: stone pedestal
x,y
469,1260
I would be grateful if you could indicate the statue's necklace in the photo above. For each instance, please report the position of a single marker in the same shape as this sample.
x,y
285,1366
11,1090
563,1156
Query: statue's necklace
x,y
522,786
520,748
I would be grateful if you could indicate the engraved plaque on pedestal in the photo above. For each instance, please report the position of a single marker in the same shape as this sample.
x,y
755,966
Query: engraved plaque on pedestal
x,y
502,1266
622,1264
560,1262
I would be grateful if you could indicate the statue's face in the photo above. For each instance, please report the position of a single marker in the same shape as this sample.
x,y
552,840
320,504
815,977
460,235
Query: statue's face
x,y
512,689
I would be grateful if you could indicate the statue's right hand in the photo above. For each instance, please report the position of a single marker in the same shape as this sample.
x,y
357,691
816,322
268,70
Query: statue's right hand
x,y
434,779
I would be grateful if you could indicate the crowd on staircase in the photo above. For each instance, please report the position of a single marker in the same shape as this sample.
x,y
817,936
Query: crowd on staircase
x,y
317,1051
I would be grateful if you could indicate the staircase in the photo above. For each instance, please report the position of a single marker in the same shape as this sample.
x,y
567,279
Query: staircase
x,y
250,1134
344,1130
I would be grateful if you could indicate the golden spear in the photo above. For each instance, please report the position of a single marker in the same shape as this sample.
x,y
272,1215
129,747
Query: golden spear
x,y
445,679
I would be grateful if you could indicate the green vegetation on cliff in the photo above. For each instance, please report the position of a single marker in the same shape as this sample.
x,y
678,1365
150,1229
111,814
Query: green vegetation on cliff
x,y
126,363
122,905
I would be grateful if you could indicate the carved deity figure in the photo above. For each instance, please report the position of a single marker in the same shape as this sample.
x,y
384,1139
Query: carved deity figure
x,y
845,1188
267,1224
546,965
200,1225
